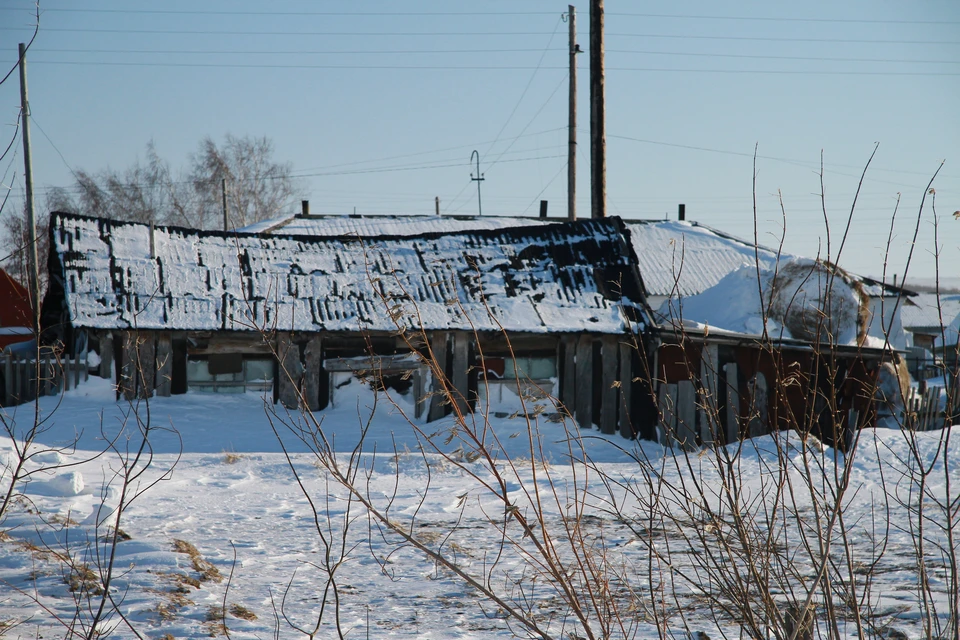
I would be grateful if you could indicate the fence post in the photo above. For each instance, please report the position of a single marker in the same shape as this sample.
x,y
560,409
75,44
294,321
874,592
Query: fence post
x,y
8,378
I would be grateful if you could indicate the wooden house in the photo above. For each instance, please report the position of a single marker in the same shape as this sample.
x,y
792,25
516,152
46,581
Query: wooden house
x,y
552,305
16,312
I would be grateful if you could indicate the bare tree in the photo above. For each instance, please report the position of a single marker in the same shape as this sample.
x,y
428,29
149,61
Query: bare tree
x,y
258,188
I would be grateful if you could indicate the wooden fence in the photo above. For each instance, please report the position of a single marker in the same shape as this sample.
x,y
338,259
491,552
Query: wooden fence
x,y
25,377
690,420
924,412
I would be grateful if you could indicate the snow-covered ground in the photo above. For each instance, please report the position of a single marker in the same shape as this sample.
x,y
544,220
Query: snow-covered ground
x,y
223,521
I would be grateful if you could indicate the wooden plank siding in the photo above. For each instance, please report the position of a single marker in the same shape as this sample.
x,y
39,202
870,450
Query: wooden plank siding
x,y
583,410
438,390
610,393
164,375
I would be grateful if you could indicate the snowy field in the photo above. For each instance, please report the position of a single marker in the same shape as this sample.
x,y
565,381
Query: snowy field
x,y
222,533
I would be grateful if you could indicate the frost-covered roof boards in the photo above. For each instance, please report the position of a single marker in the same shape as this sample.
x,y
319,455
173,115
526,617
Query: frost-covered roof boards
x,y
559,277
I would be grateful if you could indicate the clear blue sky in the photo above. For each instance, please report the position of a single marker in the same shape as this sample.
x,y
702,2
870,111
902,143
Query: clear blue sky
x,y
379,105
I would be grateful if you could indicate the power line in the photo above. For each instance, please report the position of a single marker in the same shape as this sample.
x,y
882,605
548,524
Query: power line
x,y
524,92
421,34
274,52
488,13
346,172
296,13
743,154
287,34
799,58
432,151
385,67
771,19
532,120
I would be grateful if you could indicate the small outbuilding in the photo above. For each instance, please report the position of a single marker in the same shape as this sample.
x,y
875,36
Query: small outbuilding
x,y
546,309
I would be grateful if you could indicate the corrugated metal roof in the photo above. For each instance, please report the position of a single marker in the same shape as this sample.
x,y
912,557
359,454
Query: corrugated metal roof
x,y
683,258
385,225
549,278
687,258
925,310
674,257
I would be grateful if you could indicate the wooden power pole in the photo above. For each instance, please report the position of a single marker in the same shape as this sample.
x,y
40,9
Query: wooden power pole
x,y
598,136
34,274
572,122
223,196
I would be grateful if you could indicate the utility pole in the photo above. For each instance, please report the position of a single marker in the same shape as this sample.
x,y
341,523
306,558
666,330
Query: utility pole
x,y
572,122
223,194
34,274
598,136
436,205
478,179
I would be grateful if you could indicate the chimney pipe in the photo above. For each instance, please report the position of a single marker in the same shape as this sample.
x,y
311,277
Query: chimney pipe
x,y
543,208
304,208
682,212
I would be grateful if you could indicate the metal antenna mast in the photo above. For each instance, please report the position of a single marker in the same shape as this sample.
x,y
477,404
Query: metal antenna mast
x,y
478,179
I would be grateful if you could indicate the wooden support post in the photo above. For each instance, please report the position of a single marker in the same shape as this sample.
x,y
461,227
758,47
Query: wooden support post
x,y
290,370
667,404
78,359
733,403
759,407
146,374
686,433
313,369
60,373
627,429
438,394
128,366
8,378
568,374
584,392
461,366
707,405
609,396
164,375
419,393
106,355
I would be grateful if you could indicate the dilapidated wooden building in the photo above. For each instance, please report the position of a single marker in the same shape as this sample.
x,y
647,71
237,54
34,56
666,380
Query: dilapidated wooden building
x,y
554,306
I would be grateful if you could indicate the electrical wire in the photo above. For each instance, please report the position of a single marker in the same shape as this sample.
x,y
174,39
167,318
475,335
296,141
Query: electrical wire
x,y
527,87
490,13
292,52
348,67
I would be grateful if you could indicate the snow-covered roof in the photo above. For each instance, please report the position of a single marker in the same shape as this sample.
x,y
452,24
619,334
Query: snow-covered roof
x,y
549,278
370,226
684,258
930,312
681,258
794,304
